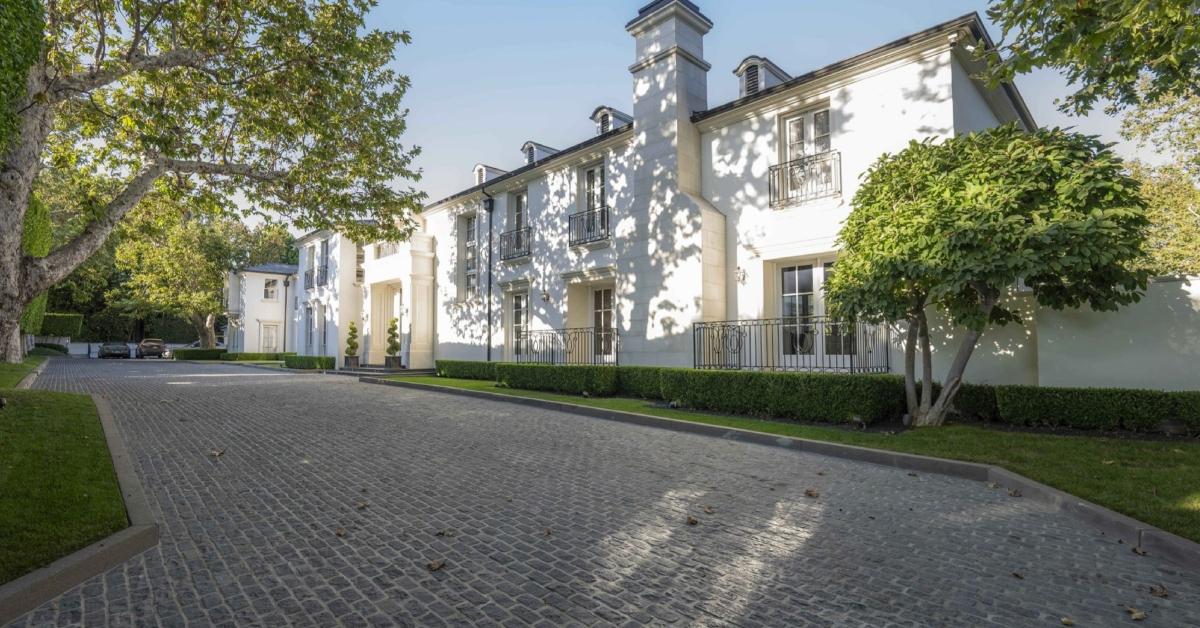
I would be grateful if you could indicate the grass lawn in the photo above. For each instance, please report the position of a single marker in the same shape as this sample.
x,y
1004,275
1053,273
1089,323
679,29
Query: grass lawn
x,y
1157,482
59,489
12,374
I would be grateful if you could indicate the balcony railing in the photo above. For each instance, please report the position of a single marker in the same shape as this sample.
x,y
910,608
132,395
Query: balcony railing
x,y
805,343
589,226
580,345
514,244
806,178
322,275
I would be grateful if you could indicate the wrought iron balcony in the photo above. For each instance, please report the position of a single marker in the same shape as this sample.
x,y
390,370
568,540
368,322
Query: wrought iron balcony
x,y
589,226
322,275
800,343
514,244
810,177
579,345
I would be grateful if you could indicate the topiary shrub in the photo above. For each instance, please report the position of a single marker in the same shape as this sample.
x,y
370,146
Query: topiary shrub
x,y
600,381
466,369
351,340
198,354
62,324
644,382
1084,408
309,362
393,337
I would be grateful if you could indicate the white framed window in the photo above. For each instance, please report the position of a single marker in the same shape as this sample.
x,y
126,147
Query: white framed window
x,y
603,314
594,194
530,154
520,322
807,134
309,329
270,289
518,214
469,239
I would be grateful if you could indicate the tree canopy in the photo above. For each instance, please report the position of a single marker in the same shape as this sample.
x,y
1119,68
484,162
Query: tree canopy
x,y
953,225
1173,207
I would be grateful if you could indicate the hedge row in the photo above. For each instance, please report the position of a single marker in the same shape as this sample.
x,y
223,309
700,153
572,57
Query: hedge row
x,y
60,324
466,369
1097,408
198,354
254,357
309,362
600,381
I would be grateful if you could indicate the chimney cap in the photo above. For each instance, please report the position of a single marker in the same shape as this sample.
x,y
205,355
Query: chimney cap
x,y
653,8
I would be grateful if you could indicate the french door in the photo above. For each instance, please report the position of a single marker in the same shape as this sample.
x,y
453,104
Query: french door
x,y
603,322
809,339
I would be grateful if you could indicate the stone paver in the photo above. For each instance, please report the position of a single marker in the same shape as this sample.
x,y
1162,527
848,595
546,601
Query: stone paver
x,y
324,509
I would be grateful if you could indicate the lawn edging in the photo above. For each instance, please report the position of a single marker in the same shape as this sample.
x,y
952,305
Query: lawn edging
x,y
27,382
33,589
1126,530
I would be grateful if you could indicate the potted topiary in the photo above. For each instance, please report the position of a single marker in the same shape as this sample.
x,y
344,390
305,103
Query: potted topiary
x,y
352,346
392,360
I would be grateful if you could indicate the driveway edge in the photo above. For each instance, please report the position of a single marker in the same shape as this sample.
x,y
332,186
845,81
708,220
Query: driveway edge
x,y
37,587
27,382
1139,536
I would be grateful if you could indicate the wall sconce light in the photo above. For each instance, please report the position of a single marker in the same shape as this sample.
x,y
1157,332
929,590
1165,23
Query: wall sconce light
x,y
545,297
739,276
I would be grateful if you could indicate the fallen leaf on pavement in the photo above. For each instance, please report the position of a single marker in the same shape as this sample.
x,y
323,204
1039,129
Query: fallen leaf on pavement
x,y
1159,590
1014,492
692,520
362,505
1135,614
993,485
912,475
435,565
820,473
1139,551
446,532
547,532
340,531
1018,575
216,453
811,492
1067,621
708,510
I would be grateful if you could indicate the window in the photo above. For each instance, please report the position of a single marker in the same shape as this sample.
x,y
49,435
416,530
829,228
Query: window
x,y
809,167
518,215
270,338
309,325
520,322
751,78
270,289
605,123
360,257
808,134
593,185
469,236
530,154
602,320
797,310
839,336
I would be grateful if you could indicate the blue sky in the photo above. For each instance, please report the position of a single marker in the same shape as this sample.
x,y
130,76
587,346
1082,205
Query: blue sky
x,y
490,74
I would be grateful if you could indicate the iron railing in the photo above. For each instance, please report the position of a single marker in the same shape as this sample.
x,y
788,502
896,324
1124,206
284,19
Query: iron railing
x,y
804,343
579,345
806,178
322,275
514,244
589,226
386,249
309,282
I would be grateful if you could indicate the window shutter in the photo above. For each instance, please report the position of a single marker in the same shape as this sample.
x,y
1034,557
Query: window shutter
x,y
751,80
605,123
479,177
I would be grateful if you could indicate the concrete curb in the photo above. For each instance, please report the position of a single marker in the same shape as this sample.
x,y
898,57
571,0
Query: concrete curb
x,y
1123,529
35,588
31,377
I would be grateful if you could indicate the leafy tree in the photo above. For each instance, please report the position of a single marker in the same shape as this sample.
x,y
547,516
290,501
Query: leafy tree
x,y
1173,207
36,242
287,106
1171,124
351,340
951,227
1105,47
393,337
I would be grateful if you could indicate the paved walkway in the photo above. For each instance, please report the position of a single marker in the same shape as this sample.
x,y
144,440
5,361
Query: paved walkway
x,y
332,498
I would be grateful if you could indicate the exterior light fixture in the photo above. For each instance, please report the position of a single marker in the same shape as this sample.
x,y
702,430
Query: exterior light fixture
x,y
739,275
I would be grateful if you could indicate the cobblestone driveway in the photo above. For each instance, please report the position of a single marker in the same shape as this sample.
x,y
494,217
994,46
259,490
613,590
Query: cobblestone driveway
x,y
327,504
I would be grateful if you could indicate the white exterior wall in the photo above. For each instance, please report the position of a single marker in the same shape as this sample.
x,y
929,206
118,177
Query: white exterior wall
x,y
244,296
339,298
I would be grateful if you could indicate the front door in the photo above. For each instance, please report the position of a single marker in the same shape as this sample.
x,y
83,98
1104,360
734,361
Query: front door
x,y
270,338
604,340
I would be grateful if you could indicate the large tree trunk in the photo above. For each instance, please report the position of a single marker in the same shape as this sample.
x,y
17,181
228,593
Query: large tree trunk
x,y
926,369
910,368
11,348
205,325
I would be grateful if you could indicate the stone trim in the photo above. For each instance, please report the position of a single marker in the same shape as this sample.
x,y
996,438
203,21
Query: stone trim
x,y
1125,530
31,377
41,585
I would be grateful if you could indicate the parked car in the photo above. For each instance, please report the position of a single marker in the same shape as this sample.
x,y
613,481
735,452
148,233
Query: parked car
x,y
113,349
169,353
151,347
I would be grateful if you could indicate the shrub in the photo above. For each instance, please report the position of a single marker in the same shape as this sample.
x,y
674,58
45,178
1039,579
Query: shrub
x,y
198,354
352,340
1084,408
58,324
1187,409
254,357
571,378
51,346
640,381
393,337
309,362
797,396
977,401
466,369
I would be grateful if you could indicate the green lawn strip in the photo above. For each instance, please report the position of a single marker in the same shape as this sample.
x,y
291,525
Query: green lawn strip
x,y
12,374
1157,482
59,488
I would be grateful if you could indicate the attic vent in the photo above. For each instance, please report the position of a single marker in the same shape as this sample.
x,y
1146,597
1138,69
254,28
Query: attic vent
x,y
530,155
479,176
751,80
605,123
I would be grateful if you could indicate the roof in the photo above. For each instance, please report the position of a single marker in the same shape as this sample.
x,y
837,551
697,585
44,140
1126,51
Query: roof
x,y
272,268
969,21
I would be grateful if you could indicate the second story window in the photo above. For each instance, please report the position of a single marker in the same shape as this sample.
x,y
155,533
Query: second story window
x,y
809,167
593,188
470,255
270,289
519,210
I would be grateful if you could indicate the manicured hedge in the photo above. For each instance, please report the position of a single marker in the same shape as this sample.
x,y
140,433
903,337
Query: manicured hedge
x,y
60,324
798,396
1085,408
254,357
644,382
466,369
600,381
51,346
1187,409
197,354
309,362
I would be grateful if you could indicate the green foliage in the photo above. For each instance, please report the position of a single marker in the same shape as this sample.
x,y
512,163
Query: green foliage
x,y
1187,404
797,396
1086,408
21,21
62,324
52,346
246,356
977,401
1173,207
31,317
351,340
198,354
1171,125
1105,47
35,242
644,382
309,362
466,369
600,381
393,337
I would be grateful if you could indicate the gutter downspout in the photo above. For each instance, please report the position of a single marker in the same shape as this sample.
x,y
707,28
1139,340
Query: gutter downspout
x,y
488,205
287,281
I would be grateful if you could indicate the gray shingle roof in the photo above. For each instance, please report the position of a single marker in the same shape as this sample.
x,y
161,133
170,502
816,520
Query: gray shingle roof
x,y
272,268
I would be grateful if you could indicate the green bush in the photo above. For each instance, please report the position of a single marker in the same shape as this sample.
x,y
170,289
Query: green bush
x,y
51,346
466,369
254,357
644,382
309,362
977,401
1084,408
198,354
575,379
798,396
62,324
1187,409
35,242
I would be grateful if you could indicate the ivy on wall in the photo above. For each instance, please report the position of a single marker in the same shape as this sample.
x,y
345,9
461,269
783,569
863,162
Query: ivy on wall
x,y
21,23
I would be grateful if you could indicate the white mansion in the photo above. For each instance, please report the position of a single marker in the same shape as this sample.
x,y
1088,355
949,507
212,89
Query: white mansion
x,y
688,234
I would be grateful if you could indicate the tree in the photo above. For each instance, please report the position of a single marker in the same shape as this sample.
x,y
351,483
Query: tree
x,y
1171,124
1105,47
951,227
1173,207
289,107
35,241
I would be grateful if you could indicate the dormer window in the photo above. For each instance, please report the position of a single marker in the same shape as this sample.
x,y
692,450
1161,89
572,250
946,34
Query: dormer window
x,y
607,119
605,123
530,153
757,74
479,176
751,78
